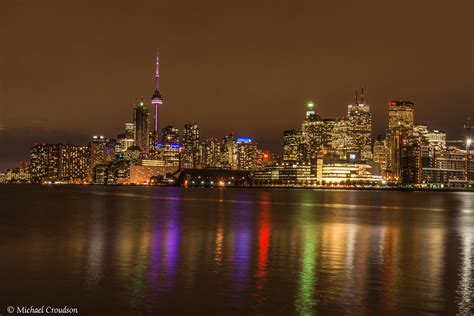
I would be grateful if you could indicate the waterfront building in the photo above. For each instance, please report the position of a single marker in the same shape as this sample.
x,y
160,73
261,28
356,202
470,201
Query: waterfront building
x,y
73,163
449,169
20,174
142,174
337,172
142,126
44,160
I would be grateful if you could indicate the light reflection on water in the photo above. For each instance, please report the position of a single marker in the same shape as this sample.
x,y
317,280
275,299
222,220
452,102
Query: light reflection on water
x,y
170,250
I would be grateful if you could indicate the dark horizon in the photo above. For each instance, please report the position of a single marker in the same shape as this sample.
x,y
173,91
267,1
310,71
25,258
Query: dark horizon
x,y
73,70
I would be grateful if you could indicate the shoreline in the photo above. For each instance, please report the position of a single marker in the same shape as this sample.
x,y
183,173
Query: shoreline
x,y
316,188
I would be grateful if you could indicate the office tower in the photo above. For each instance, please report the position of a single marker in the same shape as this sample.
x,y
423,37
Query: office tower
x,y
73,163
327,134
342,138
228,152
380,153
170,135
191,144
156,101
360,120
142,128
411,160
400,128
44,162
312,133
211,153
97,153
292,145
169,152
401,115
247,153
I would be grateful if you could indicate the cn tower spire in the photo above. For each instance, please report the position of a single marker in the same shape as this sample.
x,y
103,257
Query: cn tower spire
x,y
157,72
156,99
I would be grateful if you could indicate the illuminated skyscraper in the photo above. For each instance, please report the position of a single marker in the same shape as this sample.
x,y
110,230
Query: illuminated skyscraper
x,y
142,126
191,144
380,153
341,138
360,121
73,162
156,100
401,114
292,147
247,153
228,152
211,153
97,153
44,162
400,128
312,133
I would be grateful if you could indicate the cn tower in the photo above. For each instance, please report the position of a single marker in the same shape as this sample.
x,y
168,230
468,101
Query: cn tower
x,y
156,99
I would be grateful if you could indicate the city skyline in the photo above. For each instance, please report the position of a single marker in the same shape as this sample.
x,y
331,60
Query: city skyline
x,y
70,92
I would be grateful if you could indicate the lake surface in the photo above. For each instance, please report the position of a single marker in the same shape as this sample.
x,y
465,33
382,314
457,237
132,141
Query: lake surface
x,y
152,250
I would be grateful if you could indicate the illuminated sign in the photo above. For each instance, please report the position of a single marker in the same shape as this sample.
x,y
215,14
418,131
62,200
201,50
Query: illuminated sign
x,y
244,140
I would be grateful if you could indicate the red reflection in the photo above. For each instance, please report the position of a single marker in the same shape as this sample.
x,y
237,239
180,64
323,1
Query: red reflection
x,y
264,228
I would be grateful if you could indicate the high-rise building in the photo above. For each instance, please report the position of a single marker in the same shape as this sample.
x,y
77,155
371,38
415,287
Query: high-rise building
x,y
211,153
169,152
312,133
44,161
156,101
342,140
191,145
97,153
360,120
400,128
380,153
292,145
73,163
247,153
142,126
228,152
401,115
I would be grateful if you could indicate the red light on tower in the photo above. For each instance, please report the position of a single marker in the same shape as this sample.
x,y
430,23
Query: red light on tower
x,y
266,156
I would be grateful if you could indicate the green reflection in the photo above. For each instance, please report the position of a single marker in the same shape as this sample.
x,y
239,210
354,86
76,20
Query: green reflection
x,y
305,300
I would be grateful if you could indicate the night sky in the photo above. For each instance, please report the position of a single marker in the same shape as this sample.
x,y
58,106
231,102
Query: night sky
x,y
72,69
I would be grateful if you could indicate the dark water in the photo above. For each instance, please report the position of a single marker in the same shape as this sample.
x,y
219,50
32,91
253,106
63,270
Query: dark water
x,y
140,250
